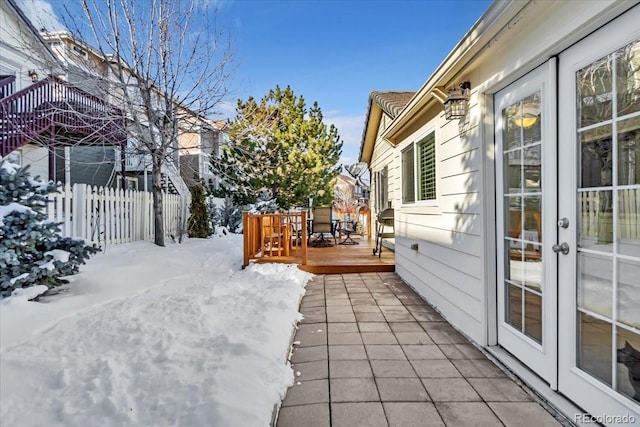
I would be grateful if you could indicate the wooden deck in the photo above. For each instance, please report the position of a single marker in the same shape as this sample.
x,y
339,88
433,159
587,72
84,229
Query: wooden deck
x,y
349,258
282,237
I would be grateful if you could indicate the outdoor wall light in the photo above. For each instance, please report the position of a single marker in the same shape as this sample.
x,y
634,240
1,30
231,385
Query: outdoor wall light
x,y
455,106
34,75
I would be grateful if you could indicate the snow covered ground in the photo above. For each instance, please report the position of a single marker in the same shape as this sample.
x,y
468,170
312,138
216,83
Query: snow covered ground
x,y
149,336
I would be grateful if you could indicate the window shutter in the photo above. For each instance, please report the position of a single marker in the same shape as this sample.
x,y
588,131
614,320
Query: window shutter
x,y
427,169
408,180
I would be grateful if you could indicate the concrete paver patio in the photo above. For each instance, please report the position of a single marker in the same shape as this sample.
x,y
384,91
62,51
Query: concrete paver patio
x,y
370,352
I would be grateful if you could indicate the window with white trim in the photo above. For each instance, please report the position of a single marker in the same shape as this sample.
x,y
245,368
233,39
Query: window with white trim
x,y
419,170
380,182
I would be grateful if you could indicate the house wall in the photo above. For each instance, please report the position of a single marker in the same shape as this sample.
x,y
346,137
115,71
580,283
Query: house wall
x,y
38,158
20,50
189,142
451,268
189,168
91,165
447,267
383,155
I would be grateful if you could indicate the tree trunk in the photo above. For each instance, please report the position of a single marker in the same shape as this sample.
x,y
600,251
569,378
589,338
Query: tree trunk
x,y
156,172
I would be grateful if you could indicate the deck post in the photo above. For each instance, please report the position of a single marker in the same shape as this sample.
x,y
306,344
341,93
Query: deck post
x,y
303,238
246,232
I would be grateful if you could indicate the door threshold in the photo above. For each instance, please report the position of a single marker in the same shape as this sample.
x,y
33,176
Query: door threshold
x,y
565,411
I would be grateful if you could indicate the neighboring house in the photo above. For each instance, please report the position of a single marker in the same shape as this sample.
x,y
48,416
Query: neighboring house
x,y
196,149
93,71
30,94
519,221
350,204
345,198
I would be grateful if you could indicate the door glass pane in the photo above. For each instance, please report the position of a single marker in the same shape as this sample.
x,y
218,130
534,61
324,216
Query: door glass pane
x,y
512,171
629,151
513,306
628,364
596,220
532,165
594,347
533,315
628,203
628,78
629,293
595,287
513,216
512,133
608,250
522,191
533,267
594,90
597,162
532,231
514,264
628,223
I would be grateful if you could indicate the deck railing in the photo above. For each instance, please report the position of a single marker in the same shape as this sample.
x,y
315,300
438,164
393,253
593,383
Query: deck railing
x,y
7,86
52,101
280,237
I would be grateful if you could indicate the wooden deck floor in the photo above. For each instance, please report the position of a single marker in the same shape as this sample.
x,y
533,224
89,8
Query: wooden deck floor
x,y
340,259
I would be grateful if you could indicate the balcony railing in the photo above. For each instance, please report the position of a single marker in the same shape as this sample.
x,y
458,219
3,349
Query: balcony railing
x,y
53,102
133,162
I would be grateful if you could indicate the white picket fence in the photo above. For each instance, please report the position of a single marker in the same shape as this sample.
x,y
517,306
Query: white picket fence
x,y
110,216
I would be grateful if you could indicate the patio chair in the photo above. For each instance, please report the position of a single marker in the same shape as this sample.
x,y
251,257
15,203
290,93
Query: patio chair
x,y
323,224
347,227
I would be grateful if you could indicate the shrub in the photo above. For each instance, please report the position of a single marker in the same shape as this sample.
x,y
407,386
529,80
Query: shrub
x,y
199,225
32,251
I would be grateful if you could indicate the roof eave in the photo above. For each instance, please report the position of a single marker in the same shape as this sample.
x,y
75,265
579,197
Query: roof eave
x,y
56,65
371,126
481,33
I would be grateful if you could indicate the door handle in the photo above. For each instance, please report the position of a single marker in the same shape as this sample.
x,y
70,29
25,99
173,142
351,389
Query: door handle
x,y
562,247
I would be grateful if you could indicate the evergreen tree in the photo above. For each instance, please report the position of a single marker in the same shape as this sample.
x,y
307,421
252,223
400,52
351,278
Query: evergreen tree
x,y
280,147
32,252
227,214
199,225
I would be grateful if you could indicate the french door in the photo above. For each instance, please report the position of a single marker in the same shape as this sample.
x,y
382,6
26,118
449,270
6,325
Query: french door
x,y
599,197
525,221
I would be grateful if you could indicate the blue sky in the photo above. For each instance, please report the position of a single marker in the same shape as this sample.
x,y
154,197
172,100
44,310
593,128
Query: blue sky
x,y
335,52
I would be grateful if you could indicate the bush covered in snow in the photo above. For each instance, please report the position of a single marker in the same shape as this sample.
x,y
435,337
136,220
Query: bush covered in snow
x,y
32,251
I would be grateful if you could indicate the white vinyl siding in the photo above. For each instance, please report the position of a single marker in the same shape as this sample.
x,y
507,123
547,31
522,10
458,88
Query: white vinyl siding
x,y
447,268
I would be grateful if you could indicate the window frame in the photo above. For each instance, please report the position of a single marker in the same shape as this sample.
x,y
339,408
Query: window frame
x,y
381,183
417,146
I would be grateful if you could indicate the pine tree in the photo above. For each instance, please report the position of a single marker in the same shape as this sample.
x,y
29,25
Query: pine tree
x,y
199,225
32,251
280,147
